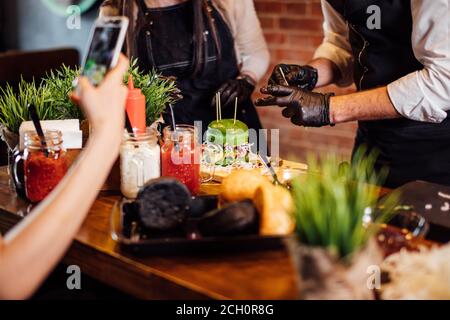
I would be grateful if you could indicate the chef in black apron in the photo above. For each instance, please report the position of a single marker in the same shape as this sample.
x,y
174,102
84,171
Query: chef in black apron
x,y
398,63
165,40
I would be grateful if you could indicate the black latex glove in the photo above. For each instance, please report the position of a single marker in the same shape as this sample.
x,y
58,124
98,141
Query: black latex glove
x,y
304,108
303,77
241,88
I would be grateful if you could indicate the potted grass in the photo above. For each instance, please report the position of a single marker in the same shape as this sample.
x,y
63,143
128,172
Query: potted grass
x,y
51,98
333,248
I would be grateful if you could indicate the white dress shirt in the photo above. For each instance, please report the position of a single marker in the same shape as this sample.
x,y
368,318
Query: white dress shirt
x,y
422,95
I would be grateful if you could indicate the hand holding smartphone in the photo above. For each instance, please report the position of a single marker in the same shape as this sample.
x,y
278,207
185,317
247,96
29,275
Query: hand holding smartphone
x,y
105,44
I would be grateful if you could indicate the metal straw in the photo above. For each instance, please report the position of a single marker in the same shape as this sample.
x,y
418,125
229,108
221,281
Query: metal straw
x,y
37,124
175,131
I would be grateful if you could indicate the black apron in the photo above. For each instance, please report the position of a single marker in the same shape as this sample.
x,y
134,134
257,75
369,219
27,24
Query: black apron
x,y
165,43
411,150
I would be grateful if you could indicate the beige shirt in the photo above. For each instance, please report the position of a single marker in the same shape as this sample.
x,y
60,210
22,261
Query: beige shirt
x,y
423,95
250,45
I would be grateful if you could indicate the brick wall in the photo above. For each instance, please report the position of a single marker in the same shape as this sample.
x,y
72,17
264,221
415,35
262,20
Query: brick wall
x,y
293,29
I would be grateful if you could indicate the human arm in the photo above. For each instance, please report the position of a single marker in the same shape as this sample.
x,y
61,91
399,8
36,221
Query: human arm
x,y
362,106
253,54
313,109
424,95
251,45
30,250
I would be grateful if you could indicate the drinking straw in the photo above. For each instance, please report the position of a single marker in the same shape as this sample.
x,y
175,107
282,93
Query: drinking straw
x,y
284,77
128,125
37,124
220,105
175,132
217,107
235,110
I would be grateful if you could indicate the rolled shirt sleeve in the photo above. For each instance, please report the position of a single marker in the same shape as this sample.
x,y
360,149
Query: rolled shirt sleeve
x,y
425,95
250,40
336,46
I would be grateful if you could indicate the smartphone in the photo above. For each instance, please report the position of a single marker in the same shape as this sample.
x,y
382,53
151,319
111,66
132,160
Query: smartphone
x,y
105,44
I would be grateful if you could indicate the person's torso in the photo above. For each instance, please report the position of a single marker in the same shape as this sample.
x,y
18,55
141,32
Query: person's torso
x,y
166,43
384,53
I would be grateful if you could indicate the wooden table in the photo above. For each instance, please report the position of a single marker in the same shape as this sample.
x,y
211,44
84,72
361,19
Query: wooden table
x,y
258,275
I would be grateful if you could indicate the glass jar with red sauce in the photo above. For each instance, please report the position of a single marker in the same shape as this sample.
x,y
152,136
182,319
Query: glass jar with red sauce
x,y
181,154
43,170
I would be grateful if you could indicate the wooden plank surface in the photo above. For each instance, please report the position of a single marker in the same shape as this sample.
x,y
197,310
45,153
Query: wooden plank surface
x,y
257,275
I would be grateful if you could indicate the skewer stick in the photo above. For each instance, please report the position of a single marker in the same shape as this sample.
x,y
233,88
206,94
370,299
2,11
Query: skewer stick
x,y
235,110
217,107
220,106
284,77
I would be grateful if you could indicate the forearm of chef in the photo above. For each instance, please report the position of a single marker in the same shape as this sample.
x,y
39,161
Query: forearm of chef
x,y
362,106
42,238
328,72
334,65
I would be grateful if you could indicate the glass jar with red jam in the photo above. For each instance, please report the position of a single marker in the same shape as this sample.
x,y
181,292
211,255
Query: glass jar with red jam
x,y
43,168
181,154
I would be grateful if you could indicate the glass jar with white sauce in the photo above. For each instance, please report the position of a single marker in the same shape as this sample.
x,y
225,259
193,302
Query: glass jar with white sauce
x,y
140,161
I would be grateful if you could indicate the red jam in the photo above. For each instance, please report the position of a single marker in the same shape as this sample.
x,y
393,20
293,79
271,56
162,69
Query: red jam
x,y
182,165
42,174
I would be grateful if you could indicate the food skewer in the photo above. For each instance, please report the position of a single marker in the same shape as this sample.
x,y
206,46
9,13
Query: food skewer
x,y
235,110
217,106
284,77
220,105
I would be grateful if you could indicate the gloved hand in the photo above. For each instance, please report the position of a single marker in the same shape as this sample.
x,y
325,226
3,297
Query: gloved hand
x,y
303,77
241,88
304,108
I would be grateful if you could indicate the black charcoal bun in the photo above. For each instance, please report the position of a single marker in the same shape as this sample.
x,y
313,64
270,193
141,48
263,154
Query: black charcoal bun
x,y
163,204
232,219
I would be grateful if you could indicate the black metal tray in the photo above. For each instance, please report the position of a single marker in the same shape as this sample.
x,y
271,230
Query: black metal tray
x,y
125,229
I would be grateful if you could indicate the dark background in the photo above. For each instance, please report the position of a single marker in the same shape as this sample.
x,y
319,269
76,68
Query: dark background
x,y
29,25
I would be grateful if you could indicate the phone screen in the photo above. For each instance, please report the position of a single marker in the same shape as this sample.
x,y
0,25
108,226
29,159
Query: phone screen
x,y
101,53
